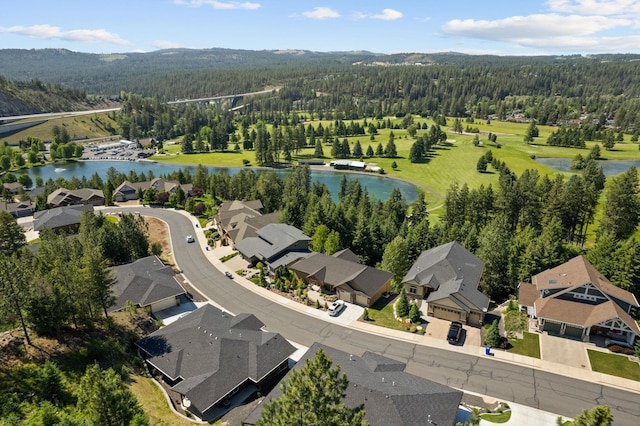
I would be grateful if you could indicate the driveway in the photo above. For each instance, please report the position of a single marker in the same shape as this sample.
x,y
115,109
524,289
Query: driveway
x,y
564,351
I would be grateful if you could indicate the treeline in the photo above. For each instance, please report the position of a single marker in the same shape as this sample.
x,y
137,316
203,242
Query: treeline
x,y
548,91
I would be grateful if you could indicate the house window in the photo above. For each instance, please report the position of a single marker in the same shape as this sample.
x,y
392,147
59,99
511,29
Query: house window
x,y
413,289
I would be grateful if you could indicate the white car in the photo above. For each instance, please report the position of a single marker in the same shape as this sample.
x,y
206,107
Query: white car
x,y
336,307
190,239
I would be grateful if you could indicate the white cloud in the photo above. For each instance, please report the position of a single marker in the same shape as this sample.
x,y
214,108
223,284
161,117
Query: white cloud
x,y
48,31
321,13
165,44
586,44
221,5
596,7
532,26
388,15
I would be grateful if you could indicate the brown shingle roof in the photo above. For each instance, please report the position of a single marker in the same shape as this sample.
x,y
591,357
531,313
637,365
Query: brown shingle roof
x,y
527,294
576,272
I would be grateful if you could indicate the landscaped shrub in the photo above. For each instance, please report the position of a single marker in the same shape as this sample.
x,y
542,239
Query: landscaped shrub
x,y
618,349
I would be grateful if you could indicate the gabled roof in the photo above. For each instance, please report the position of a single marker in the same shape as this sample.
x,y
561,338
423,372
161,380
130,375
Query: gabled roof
x,y
18,206
335,271
13,187
255,205
272,240
144,282
527,294
59,217
582,314
577,272
212,352
347,254
63,196
158,184
450,269
389,394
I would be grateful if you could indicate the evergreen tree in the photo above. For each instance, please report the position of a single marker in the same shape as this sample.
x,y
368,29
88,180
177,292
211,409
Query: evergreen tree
x,y
332,244
391,151
319,238
414,313
369,151
319,152
402,305
11,234
492,338
313,395
622,209
357,150
598,416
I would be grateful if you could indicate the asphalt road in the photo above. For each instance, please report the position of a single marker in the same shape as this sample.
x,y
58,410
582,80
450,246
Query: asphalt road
x,y
549,392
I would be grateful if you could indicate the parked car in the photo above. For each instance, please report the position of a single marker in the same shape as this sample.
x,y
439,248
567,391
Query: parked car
x,y
190,239
228,274
336,307
455,331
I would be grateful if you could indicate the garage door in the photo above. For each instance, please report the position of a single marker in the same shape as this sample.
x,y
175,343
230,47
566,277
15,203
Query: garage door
x,y
572,331
551,327
446,314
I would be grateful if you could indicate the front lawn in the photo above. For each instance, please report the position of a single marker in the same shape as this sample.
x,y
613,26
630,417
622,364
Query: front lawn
x,y
381,314
529,345
613,364
497,417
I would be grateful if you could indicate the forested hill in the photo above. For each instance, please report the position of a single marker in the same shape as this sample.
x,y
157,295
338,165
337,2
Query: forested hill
x,y
32,97
146,73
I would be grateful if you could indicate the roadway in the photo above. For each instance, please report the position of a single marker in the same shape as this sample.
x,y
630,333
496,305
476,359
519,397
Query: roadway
x,y
483,375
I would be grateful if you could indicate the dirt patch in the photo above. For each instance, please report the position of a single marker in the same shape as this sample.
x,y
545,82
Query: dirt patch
x,y
159,233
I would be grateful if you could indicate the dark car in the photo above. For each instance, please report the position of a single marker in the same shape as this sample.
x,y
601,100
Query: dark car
x,y
455,331
228,274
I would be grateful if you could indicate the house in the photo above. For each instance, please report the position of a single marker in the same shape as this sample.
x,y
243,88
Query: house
x,y
66,197
13,188
147,282
19,209
208,355
390,395
274,245
447,277
237,220
342,274
575,300
127,191
60,219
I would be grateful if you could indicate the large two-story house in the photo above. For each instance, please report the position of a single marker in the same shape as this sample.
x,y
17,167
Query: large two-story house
x,y
447,277
575,300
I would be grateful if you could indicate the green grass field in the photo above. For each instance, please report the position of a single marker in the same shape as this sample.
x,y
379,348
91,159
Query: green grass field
x,y
614,364
80,126
381,314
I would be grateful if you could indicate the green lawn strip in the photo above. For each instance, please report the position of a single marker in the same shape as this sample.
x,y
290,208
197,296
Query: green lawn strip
x,y
529,345
154,403
381,314
497,417
614,364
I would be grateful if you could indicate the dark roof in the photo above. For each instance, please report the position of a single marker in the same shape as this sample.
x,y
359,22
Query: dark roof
x,y
211,352
450,269
59,217
389,394
273,240
144,282
347,254
17,207
335,271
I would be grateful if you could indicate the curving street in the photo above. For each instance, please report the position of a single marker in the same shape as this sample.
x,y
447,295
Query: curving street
x,y
484,375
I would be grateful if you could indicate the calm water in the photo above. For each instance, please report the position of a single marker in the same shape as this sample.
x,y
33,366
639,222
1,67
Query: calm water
x,y
377,186
609,167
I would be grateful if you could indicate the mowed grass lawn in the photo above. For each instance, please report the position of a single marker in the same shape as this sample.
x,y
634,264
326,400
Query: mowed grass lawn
x,y
381,314
529,345
154,403
614,364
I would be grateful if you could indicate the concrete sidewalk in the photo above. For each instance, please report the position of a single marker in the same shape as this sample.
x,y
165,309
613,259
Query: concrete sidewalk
x,y
543,365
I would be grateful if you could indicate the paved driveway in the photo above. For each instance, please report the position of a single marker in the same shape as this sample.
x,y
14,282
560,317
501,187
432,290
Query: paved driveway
x,y
564,351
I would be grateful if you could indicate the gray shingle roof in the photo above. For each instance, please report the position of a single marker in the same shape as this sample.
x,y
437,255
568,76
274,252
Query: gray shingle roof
x,y
212,352
59,217
272,240
389,394
144,282
336,271
450,269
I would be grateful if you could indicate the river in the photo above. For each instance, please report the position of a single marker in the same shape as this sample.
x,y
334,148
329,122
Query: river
x,y
378,186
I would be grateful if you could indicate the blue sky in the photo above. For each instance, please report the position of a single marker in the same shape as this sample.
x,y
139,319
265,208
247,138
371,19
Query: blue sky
x,y
502,27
